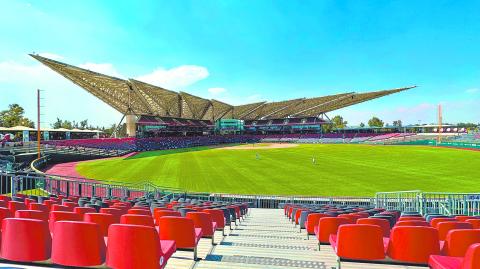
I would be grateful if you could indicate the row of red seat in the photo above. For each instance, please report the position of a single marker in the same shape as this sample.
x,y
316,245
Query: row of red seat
x,y
356,236
120,222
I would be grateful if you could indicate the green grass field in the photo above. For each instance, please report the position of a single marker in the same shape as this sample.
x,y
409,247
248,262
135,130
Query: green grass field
x,y
340,170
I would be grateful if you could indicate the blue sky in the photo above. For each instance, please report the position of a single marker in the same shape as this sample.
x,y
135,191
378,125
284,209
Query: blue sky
x,y
246,51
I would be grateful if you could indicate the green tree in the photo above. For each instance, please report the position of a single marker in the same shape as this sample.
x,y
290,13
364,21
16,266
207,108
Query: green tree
x,y
397,123
14,116
362,124
375,122
338,122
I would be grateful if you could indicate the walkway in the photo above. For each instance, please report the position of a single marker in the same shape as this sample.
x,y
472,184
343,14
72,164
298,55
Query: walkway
x,y
266,239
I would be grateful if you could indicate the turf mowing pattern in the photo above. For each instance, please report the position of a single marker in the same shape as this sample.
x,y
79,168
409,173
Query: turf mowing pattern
x,y
340,170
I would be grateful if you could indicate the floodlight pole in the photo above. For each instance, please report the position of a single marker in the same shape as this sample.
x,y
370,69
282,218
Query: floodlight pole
x,y
439,123
38,124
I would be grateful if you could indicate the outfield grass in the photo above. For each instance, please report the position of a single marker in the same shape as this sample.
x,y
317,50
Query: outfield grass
x,y
340,170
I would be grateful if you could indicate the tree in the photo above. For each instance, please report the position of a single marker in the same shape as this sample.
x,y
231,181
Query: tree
x,y
338,122
397,123
375,122
362,124
14,116
62,124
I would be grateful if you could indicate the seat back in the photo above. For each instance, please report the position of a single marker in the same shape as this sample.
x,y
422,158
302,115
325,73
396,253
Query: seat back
x,y
103,220
458,241
179,229
434,222
382,223
37,206
328,226
413,243
360,241
411,218
472,257
62,216
61,208
78,244
164,213
14,206
137,220
217,216
134,246
31,214
202,220
475,223
5,213
139,211
25,240
312,221
83,210
412,223
444,227
116,212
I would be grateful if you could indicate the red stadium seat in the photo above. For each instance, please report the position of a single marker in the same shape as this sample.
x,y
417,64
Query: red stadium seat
x,y
116,212
133,246
458,241
412,223
49,204
470,261
83,210
359,242
139,211
78,244
14,206
435,221
312,222
137,220
382,223
475,223
411,218
413,244
164,213
5,213
62,215
218,217
328,226
205,222
182,231
37,206
444,227
61,208
31,214
103,220
25,240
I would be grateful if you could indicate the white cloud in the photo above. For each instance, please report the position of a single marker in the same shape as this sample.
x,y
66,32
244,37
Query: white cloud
x,y
216,91
472,90
177,77
254,98
52,56
105,68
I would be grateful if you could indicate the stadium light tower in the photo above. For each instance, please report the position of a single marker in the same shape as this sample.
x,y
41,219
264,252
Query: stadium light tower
x,y
38,124
439,140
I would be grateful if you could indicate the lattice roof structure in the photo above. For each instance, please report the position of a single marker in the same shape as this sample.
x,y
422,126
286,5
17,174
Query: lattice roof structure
x,y
130,96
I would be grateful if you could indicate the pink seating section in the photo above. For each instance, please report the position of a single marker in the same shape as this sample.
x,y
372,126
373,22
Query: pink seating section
x,y
442,243
120,236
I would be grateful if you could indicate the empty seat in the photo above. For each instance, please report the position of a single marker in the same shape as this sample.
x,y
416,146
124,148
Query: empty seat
x,y
391,219
139,211
475,223
116,212
411,218
31,214
312,222
382,223
436,221
412,223
218,217
444,227
5,213
182,230
359,242
78,244
25,240
413,244
102,219
37,206
164,213
83,210
137,220
62,215
458,241
133,246
470,261
328,226
205,222
14,206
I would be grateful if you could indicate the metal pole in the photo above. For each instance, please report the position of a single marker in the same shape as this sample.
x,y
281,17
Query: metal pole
x,y
38,123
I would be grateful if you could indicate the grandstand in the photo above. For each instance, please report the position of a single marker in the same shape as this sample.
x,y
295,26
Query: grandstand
x,y
154,110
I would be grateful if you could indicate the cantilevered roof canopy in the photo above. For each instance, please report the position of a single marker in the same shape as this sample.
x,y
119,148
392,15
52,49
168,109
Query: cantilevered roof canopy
x,y
135,97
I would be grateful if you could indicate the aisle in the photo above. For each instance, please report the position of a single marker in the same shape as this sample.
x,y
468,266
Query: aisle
x,y
266,239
